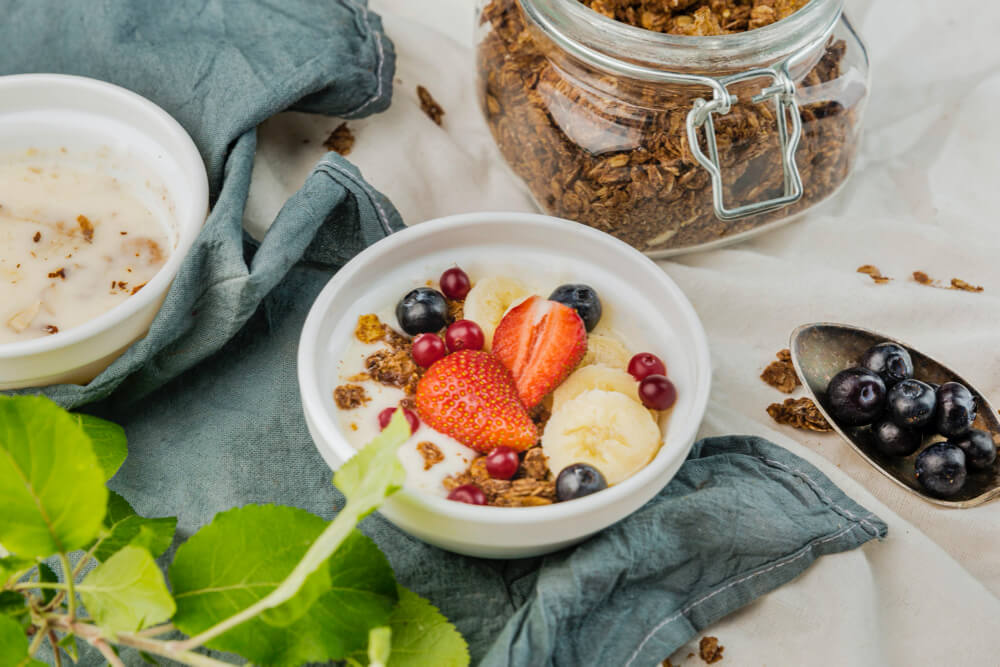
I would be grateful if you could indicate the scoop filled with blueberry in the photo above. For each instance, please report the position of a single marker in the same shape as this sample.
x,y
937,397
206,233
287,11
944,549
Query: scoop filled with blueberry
x,y
886,403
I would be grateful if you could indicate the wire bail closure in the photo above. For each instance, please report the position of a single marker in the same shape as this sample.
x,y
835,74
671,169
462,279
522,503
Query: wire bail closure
x,y
782,91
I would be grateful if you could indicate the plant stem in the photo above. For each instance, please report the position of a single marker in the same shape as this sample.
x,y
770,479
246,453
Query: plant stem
x,y
54,602
156,631
70,593
93,634
37,640
55,648
108,654
28,585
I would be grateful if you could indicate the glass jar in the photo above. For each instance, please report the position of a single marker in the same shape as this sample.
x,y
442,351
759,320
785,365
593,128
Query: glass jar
x,y
599,118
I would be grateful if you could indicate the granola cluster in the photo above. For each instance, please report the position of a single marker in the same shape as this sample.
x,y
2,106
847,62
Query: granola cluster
x,y
531,486
612,153
697,17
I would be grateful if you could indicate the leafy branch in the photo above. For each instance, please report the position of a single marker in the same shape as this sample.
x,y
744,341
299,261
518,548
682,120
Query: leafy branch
x,y
275,585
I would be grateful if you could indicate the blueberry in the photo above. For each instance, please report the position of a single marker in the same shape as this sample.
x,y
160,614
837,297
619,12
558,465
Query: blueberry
x,y
579,480
581,298
956,409
941,469
422,311
856,396
980,450
891,439
892,362
911,403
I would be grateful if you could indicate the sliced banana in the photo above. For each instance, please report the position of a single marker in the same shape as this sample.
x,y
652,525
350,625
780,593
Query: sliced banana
x,y
597,376
605,429
602,349
489,299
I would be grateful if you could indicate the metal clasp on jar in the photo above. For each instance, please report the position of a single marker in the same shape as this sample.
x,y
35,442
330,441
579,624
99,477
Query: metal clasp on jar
x,y
782,91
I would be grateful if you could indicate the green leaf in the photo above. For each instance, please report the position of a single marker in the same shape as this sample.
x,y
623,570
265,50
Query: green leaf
x,y
47,575
423,637
127,592
13,566
109,443
14,645
68,644
125,527
14,605
245,554
374,473
51,485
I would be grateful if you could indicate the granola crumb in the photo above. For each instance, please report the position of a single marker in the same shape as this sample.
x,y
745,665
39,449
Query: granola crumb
x,y
954,284
431,454
341,140
59,273
37,237
535,464
710,650
86,227
781,374
959,284
394,368
369,329
407,403
667,663
456,310
429,105
51,329
354,426
800,413
350,396
874,273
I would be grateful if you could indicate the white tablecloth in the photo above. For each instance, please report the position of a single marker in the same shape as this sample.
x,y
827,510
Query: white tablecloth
x,y
924,196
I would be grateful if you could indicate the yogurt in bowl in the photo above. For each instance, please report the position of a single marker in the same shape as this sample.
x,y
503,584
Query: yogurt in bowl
x,y
102,194
643,308
76,238
601,429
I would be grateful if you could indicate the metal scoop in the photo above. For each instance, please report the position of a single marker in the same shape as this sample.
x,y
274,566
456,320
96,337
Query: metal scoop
x,y
821,350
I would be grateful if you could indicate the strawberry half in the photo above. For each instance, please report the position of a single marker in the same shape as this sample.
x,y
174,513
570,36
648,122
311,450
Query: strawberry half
x,y
541,342
470,396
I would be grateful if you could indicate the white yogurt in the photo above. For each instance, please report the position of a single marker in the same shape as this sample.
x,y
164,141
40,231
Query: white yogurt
x,y
76,240
360,425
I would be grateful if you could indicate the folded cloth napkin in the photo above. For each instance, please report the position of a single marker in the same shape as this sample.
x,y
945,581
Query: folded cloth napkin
x,y
209,398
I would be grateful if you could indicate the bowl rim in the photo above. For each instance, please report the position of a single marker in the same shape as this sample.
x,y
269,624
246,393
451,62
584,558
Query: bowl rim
x,y
309,343
182,150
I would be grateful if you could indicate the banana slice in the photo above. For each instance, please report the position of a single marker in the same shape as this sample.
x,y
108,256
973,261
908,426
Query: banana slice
x,y
605,429
489,299
598,376
605,350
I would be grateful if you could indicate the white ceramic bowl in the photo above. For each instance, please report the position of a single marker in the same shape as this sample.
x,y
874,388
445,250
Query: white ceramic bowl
x,y
52,110
664,323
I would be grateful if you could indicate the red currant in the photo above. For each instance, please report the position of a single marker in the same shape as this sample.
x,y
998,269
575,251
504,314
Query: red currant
x,y
657,392
645,364
468,493
464,335
455,283
385,417
426,349
502,463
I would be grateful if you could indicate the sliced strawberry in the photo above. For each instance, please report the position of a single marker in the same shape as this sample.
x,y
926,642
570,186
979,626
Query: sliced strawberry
x,y
541,342
470,396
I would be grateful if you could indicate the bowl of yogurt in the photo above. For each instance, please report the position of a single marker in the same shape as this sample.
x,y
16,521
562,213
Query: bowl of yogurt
x,y
102,194
361,353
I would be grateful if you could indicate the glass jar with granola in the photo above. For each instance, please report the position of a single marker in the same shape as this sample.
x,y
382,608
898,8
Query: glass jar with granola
x,y
674,124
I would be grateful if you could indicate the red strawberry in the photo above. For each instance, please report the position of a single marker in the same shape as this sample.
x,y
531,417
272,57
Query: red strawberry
x,y
541,342
470,396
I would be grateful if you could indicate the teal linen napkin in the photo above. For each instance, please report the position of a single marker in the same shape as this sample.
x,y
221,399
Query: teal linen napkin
x,y
209,399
